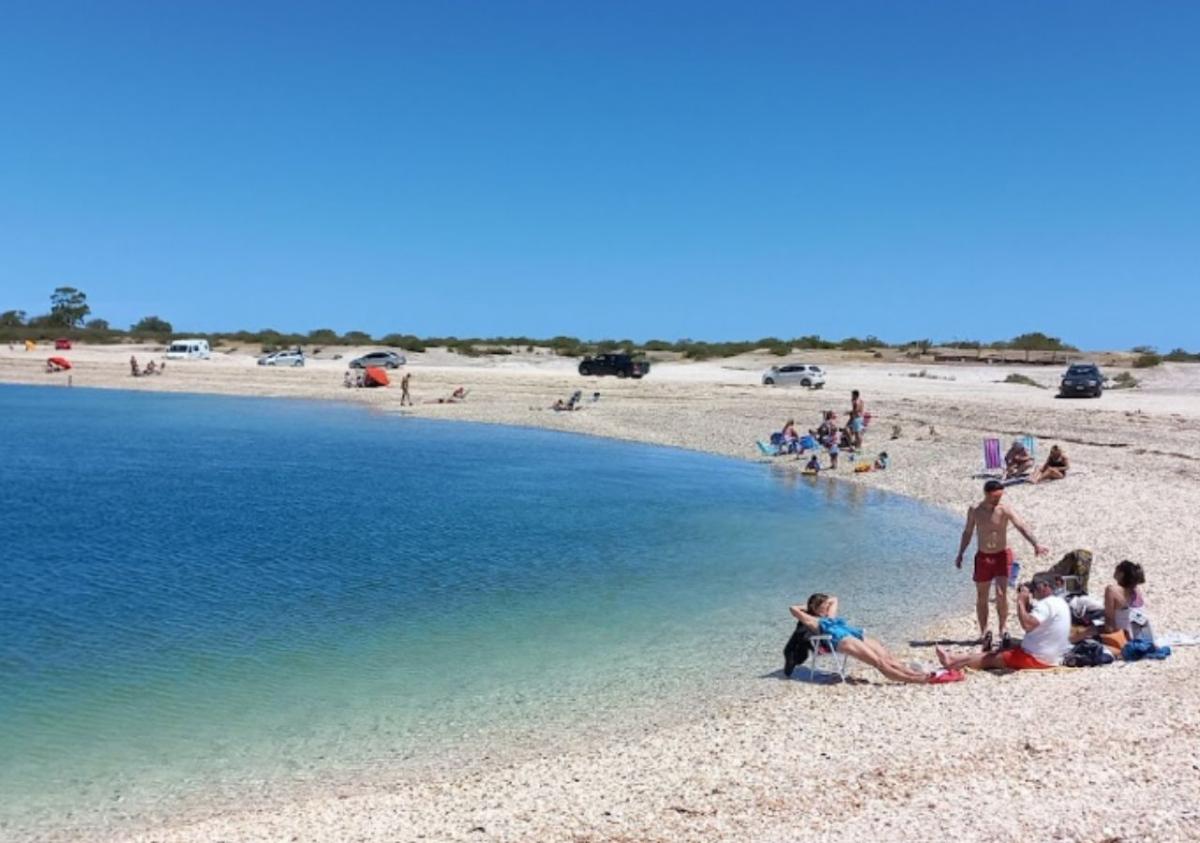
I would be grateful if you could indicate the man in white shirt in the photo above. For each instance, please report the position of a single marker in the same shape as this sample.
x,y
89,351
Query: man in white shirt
x,y
1047,625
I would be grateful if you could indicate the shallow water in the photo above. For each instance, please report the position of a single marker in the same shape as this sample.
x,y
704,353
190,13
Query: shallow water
x,y
199,591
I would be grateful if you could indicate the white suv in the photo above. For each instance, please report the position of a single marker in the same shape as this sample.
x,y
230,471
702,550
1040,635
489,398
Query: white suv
x,y
804,374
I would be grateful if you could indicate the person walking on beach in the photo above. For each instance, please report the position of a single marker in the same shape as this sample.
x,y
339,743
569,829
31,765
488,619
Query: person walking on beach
x,y
989,520
405,398
857,419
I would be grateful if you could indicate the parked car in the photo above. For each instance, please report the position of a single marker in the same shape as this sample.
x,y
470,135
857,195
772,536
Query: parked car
x,y
383,359
804,374
1082,379
621,365
62,344
294,357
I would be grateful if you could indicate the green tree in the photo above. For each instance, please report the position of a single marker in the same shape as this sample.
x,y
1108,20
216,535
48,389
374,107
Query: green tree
x,y
12,319
323,336
151,325
69,306
356,338
1037,341
97,325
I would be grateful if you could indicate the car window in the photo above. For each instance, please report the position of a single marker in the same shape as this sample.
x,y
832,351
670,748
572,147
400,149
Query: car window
x,y
788,369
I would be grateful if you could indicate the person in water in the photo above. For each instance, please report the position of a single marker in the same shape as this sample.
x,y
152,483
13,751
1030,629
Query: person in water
x,y
820,616
1055,467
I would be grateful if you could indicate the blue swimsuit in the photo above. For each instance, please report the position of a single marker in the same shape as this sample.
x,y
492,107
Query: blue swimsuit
x,y
837,629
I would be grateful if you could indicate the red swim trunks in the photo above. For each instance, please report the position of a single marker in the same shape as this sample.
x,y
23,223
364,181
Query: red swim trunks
x,y
1018,659
990,566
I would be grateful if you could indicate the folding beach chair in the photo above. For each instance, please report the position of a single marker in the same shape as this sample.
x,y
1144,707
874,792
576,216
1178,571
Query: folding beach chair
x,y
823,652
765,449
993,459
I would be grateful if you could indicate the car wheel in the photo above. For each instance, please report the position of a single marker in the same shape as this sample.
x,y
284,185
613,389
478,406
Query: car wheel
x,y
622,374
585,370
768,381
806,382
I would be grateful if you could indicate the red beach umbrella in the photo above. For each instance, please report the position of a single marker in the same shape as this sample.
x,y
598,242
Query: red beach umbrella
x,y
376,376
59,363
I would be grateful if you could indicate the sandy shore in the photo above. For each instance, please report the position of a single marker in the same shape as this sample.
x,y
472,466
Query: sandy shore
x,y
1088,755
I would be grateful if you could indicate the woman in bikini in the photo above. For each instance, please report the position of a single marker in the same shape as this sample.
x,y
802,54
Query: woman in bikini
x,y
1055,467
820,616
1124,606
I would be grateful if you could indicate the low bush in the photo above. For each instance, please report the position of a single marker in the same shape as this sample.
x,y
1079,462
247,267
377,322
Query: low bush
x,y
1125,380
1016,377
1147,361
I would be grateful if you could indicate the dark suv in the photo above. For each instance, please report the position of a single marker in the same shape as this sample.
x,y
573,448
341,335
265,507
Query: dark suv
x,y
621,365
1082,379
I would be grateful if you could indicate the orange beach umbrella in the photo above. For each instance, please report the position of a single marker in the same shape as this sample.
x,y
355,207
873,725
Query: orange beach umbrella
x,y
376,376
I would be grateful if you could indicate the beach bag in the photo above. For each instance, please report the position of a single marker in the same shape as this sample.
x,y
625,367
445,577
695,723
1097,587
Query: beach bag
x,y
777,439
1089,653
1077,563
797,649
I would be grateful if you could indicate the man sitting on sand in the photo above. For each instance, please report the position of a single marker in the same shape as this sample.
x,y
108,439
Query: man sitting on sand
x,y
820,617
1047,625
993,557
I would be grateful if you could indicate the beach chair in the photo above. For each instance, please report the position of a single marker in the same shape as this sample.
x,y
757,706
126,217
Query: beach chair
x,y
993,459
1030,445
765,449
823,652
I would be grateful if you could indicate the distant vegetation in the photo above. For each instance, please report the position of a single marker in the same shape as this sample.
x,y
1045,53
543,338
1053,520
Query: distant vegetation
x,y
1146,361
1022,379
1125,380
69,317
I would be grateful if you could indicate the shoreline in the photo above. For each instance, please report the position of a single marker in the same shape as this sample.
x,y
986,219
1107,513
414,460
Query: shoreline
x,y
731,775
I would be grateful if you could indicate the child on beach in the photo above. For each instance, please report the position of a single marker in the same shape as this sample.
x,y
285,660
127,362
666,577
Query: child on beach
x,y
813,466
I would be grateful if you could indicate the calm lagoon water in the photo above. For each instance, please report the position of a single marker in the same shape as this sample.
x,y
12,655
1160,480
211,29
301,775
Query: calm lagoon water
x,y
205,592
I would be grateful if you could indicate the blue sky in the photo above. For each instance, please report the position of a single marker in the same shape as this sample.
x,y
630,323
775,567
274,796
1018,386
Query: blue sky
x,y
614,169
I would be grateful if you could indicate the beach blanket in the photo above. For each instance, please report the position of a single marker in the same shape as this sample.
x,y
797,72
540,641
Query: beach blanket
x,y
1178,639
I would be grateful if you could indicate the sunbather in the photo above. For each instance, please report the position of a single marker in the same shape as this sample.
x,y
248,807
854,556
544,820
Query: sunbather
x,y
1017,462
150,368
820,616
1055,467
133,367
1124,605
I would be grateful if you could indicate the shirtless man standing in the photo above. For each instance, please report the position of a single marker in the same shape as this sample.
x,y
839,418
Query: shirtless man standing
x,y
993,557
857,418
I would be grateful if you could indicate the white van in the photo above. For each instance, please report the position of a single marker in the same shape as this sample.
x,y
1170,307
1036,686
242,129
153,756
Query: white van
x,y
193,349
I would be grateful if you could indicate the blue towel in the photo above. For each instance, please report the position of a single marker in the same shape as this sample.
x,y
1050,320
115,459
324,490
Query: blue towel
x,y
1138,650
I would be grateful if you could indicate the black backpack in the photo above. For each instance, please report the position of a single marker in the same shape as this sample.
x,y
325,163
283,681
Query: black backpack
x,y
797,649
1088,653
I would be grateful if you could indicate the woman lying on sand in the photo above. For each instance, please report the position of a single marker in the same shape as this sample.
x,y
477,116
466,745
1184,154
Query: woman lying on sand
x,y
1055,467
820,616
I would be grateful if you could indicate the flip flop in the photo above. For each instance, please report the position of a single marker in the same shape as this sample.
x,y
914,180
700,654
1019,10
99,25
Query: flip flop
x,y
941,677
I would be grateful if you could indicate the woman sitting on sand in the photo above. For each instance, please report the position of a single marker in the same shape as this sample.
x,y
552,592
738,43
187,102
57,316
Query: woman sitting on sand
x,y
820,616
1017,461
1124,605
1055,467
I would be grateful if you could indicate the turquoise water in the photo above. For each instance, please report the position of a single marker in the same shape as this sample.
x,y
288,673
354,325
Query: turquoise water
x,y
203,592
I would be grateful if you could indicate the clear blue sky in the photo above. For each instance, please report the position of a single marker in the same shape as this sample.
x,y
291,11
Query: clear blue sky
x,y
609,169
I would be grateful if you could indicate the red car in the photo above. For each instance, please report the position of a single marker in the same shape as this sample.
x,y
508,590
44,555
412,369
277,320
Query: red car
x,y
62,345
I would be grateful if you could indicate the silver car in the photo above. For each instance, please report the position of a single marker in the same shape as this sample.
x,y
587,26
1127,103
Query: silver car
x,y
282,358
383,359
803,374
